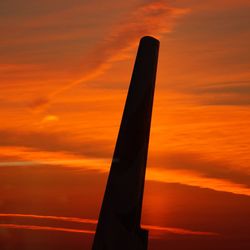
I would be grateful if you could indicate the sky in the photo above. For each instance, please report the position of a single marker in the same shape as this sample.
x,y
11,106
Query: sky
x,y
65,68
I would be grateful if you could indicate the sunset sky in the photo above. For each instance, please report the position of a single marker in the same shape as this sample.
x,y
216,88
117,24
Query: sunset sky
x,y
65,68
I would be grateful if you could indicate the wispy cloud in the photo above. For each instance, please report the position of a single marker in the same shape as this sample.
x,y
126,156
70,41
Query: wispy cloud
x,y
191,178
24,157
159,229
180,231
53,142
217,180
203,166
50,217
155,18
45,228
235,93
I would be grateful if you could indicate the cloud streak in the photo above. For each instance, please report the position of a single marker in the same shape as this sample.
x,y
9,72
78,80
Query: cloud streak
x,y
159,229
236,93
54,142
187,171
203,166
155,18
191,178
45,228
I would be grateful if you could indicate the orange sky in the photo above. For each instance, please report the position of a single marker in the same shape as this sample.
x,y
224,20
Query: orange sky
x,y
65,67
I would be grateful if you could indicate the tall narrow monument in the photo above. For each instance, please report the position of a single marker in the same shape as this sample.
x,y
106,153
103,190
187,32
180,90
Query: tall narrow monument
x,y
120,217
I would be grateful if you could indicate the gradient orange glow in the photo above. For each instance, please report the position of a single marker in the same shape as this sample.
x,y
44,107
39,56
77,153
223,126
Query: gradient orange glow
x,y
65,67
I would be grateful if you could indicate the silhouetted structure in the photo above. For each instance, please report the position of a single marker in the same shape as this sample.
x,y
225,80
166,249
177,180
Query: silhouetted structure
x,y
119,221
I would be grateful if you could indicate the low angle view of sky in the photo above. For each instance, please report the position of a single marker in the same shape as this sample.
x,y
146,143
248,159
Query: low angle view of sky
x,y
65,68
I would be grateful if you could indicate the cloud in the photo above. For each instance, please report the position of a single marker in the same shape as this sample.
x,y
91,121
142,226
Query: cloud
x,y
222,93
158,229
228,87
31,160
154,18
50,217
55,142
202,166
179,167
41,101
45,228
192,178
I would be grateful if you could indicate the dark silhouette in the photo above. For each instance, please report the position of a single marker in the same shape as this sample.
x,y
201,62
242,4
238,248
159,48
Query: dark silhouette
x,y
119,221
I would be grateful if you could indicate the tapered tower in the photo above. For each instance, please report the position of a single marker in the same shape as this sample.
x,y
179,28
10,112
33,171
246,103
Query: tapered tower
x,y
119,220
